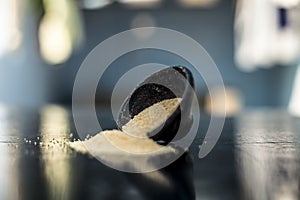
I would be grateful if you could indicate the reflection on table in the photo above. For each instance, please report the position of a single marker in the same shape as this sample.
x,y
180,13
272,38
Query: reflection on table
x,y
257,157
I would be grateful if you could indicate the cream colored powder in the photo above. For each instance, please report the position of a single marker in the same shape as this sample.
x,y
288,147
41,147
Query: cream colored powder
x,y
131,144
115,142
151,118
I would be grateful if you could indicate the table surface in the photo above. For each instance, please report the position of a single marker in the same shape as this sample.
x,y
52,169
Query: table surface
x,y
256,157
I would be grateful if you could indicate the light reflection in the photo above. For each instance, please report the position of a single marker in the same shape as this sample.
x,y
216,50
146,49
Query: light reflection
x,y
141,3
158,177
267,156
3,118
294,105
94,4
172,182
9,162
218,104
9,176
54,131
198,3
143,20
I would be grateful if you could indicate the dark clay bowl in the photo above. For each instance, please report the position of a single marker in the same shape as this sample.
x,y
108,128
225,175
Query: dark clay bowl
x,y
165,84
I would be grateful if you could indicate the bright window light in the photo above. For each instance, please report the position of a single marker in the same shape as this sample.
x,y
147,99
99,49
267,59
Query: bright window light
x,y
55,41
10,36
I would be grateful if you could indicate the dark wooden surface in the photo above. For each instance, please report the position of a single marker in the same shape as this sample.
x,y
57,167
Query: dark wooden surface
x,y
257,157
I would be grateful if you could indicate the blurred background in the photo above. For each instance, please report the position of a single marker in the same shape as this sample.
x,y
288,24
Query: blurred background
x,y
255,45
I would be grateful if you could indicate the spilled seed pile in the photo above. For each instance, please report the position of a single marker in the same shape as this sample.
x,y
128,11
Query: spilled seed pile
x,y
133,138
151,118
